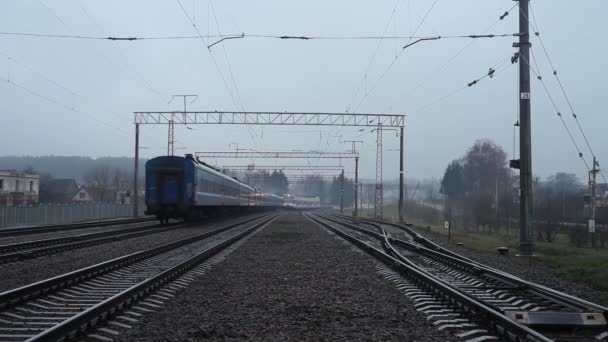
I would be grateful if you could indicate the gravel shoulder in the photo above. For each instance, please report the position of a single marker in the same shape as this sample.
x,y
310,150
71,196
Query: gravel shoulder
x,y
531,269
16,274
292,281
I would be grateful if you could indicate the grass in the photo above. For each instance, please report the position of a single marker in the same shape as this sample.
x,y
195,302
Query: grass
x,y
585,265
589,269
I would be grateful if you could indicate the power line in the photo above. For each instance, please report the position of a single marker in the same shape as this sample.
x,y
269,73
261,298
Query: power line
x,y
396,57
126,65
493,70
458,53
217,24
202,39
371,61
540,78
244,35
49,99
108,59
41,75
55,83
236,103
559,82
252,132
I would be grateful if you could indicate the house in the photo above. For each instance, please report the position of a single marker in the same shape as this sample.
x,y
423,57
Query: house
x,y
18,188
83,195
65,191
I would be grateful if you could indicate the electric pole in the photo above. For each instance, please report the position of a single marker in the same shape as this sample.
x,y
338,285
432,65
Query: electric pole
x,y
171,133
379,195
526,243
171,139
342,192
401,185
354,151
592,183
135,195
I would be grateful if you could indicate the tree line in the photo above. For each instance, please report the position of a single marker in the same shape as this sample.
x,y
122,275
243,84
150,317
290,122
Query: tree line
x,y
482,193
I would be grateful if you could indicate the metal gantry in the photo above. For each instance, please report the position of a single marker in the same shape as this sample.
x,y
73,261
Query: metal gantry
x,y
277,154
269,118
272,118
293,155
171,133
282,167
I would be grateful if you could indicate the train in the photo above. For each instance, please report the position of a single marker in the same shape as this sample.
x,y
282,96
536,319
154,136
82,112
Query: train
x,y
185,188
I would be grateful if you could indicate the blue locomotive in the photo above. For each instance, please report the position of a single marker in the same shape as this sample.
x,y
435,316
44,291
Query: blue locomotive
x,y
184,188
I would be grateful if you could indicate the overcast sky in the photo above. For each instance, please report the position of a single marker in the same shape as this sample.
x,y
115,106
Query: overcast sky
x,y
91,87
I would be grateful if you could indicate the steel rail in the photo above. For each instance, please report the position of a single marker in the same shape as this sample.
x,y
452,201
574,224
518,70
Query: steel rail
x,y
451,295
37,248
6,232
594,315
438,252
98,313
43,287
415,236
19,246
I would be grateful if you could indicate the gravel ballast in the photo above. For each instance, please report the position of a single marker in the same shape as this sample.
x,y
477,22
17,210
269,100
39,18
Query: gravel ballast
x,y
16,274
531,269
292,281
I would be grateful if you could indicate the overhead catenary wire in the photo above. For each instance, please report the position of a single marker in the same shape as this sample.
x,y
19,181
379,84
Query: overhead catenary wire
x,y
245,35
39,74
458,53
559,114
252,132
52,100
371,61
51,81
559,82
206,45
498,67
534,26
388,68
126,66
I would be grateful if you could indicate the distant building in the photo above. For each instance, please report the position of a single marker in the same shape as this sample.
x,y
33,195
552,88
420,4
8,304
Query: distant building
x,y
83,195
18,188
65,191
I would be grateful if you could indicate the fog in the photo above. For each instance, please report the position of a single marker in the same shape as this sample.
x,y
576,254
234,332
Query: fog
x,y
76,96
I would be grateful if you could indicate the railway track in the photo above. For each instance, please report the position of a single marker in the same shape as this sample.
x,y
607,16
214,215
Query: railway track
x,y
36,248
478,302
8,232
65,307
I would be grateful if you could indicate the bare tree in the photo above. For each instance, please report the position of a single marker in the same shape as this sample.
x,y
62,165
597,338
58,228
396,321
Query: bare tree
x,y
99,181
485,175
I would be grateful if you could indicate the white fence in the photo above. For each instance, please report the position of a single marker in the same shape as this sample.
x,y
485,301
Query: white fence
x,y
62,213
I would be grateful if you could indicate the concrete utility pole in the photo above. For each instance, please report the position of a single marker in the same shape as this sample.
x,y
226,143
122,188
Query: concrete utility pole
x,y
171,133
526,241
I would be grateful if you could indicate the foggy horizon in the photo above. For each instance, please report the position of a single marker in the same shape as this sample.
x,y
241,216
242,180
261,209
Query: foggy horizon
x,y
87,90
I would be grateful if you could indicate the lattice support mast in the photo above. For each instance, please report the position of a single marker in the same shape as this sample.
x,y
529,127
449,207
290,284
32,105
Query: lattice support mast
x,y
171,139
378,202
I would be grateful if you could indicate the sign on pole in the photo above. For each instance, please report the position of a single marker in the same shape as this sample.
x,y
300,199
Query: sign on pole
x,y
446,225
